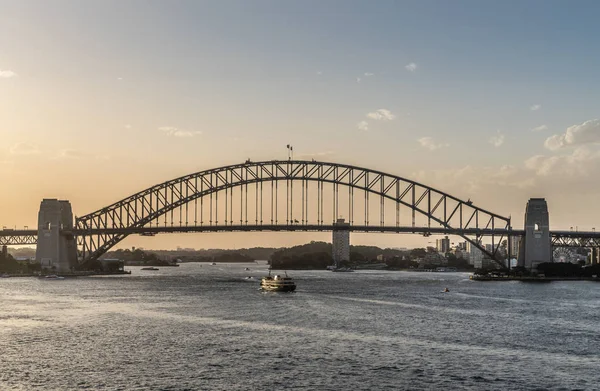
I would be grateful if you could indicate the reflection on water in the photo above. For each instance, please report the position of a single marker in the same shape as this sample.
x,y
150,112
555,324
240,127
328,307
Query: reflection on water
x,y
210,327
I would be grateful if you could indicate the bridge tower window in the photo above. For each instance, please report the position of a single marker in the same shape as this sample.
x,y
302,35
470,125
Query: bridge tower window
x,y
48,226
536,227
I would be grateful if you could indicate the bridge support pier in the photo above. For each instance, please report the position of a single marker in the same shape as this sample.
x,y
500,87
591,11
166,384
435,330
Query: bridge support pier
x,y
536,245
340,242
55,252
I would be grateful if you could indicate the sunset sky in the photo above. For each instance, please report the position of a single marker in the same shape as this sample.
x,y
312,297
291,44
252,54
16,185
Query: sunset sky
x,y
493,101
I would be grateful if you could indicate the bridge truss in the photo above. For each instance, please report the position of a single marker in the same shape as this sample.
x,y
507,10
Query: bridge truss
x,y
10,237
288,195
575,239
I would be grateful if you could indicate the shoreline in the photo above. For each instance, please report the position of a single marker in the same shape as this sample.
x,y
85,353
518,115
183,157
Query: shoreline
x,y
68,275
530,278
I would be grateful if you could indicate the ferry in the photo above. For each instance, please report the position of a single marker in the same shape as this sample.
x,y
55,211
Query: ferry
x,y
277,283
150,268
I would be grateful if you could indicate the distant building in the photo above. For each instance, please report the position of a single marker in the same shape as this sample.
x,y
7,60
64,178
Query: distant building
x,y
515,243
461,254
475,254
341,242
442,245
485,263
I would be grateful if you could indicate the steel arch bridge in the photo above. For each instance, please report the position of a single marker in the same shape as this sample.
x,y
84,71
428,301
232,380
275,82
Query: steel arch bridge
x,y
287,195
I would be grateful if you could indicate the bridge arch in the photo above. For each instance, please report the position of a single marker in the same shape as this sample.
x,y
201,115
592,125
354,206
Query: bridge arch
x,y
98,231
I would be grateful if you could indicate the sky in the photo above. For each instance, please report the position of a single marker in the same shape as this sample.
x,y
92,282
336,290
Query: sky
x,y
495,101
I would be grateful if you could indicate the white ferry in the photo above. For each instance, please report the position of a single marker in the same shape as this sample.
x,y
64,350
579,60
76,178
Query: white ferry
x,y
277,283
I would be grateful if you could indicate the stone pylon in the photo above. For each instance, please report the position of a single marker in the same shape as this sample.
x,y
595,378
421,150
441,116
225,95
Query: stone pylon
x,y
55,251
536,245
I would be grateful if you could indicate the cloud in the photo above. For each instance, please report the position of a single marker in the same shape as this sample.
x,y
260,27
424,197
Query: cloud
x,y
369,74
363,125
71,154
7,74
319,73
497,140
535,107
480,181
175,132
127,126
539,128
429,143
411,67
582,134
381,115
579,163
24,149
358,79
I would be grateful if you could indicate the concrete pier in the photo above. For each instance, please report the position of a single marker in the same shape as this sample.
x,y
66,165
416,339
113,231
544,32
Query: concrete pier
x,y
54,251
536,245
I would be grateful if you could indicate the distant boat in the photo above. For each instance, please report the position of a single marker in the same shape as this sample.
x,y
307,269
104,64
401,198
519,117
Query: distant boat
x,y
4,276
247,269
214,264
150,268
54,277
342,269
277,283
446,290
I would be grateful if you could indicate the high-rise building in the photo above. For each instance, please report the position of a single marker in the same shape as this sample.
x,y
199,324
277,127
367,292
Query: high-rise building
x,y
443,245
515,242
475,254
341,242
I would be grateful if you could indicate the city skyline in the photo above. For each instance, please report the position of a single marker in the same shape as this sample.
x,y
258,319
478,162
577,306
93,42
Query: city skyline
x,y
490,102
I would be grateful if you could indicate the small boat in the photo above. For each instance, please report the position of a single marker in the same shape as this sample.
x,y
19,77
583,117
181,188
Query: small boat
x,y
277,283
150,268
54,277
446,290
342,269
247,269
213,264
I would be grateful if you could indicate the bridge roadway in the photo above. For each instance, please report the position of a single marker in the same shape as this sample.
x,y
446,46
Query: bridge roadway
x,y
559,238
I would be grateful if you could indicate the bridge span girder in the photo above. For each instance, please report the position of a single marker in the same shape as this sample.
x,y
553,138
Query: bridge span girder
x,y
99,231
18,239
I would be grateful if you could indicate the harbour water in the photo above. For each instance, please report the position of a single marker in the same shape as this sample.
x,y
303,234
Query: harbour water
x,y
202,327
